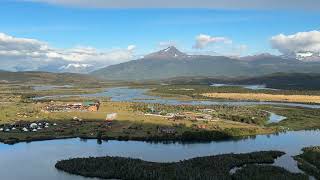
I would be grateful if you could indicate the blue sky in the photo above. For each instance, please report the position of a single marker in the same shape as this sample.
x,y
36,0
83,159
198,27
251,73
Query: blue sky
x,y
70,31
65,27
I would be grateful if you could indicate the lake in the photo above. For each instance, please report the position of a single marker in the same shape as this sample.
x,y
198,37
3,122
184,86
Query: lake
x,y
36,160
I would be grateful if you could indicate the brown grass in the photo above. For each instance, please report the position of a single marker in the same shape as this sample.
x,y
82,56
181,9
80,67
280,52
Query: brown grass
x,y
265,97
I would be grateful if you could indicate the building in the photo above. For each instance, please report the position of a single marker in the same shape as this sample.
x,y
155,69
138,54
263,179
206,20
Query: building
x,y
111,117
91,106
167,130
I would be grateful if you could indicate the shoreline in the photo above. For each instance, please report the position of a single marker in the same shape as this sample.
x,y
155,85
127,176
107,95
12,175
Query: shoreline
x,y
154,139
225,99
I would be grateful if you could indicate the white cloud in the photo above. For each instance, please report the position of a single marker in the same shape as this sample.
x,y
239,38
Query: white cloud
x,y
131,47
31,54
203,41
216,45
216,4
299,44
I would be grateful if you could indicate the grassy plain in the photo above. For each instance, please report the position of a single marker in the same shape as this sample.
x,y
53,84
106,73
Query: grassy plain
x,y
130,124
264,97
188,92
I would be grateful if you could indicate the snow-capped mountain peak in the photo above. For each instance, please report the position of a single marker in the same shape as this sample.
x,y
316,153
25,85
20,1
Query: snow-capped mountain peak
x,y
170,52
76,67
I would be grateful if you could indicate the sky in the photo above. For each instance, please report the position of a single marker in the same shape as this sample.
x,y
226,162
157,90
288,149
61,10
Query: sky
x,y
82,33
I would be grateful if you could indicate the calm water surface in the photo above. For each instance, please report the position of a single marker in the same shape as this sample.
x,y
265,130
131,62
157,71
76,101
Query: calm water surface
x,y
251,87
275,118
49,87
36,160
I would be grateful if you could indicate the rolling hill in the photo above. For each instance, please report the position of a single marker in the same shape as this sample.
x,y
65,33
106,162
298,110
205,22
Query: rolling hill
x,y
45,78
287,81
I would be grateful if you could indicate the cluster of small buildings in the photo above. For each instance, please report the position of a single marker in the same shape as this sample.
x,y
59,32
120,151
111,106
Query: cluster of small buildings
x,y
91,106
166,130
192,116
199,115
25,126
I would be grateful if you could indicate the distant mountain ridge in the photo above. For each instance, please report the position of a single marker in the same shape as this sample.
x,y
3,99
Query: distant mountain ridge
x,y
37,77
170,63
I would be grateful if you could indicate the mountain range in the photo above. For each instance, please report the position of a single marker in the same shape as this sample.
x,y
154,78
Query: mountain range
x,y
170,63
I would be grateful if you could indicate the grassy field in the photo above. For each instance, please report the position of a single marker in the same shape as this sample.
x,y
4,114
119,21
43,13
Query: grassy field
x,y
132,123
297,118
196,90
265,97
205,92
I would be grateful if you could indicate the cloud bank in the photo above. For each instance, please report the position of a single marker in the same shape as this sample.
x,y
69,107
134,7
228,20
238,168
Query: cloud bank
x,y
217,45
301,44
18,54
214,4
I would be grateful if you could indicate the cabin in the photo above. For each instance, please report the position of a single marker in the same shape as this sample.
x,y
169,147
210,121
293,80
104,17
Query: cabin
x,y
166,130
111,117
91,106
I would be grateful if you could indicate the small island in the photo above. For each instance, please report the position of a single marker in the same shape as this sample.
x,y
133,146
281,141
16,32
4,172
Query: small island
x,y
247,166
309,162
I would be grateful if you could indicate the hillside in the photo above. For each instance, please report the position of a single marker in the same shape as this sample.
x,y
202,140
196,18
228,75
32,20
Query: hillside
x,y
298,81
170,63
290,81
45,78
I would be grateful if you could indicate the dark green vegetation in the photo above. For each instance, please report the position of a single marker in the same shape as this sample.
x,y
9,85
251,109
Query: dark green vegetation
x,y
172,63
125,130
45,78
243,114
288,81
285,81
297,118
211,167
309,161
265,172
63,129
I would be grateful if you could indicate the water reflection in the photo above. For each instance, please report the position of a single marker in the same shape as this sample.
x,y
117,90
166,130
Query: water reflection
x,y
38,158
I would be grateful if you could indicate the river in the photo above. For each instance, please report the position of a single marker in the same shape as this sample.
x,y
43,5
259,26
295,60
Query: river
x,y
36,160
